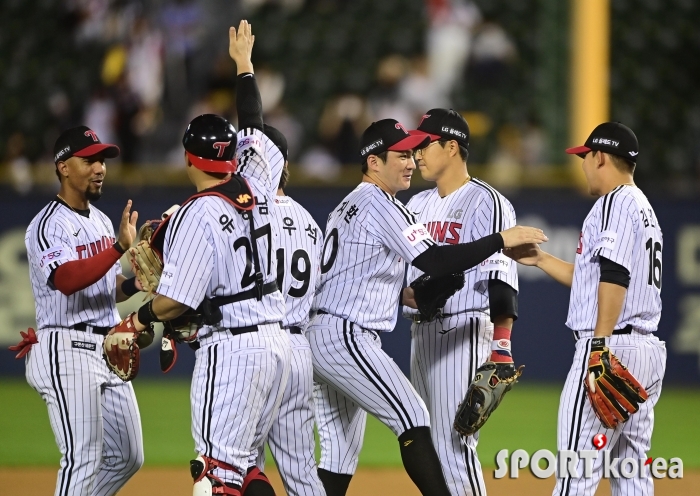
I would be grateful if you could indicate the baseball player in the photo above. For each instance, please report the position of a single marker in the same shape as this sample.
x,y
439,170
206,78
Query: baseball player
x,y
218,258
369,237
76,279
477,319
291,437
615,307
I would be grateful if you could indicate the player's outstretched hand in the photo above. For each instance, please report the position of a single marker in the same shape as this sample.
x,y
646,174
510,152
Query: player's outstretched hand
x,y
127,227
522,235
525,254
240,46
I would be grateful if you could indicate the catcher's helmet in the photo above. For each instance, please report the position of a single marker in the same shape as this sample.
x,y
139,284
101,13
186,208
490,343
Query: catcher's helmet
x,y
210,142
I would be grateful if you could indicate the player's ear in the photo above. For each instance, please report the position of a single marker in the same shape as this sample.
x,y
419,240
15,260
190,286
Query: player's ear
x,y
62,169
600,158
372,163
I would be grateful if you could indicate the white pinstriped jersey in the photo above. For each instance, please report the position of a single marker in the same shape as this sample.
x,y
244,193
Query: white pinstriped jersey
x,y
208,251
622,227
472,212
58,235
298,259
369,236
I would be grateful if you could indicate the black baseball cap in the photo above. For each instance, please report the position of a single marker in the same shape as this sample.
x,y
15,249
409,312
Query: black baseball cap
x,y
81,141
444,124
277,138
389,134
610,137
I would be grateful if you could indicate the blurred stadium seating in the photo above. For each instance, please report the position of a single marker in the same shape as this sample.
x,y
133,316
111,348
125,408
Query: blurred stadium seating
x,y
138,71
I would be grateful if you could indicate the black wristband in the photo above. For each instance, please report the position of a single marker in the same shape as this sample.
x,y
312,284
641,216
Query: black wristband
x,y
597,344
129,287
119,248
146,314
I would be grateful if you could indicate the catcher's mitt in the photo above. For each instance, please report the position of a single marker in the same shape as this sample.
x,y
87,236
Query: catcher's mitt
x,y
145,263
431,293
121,348
491,382
614,393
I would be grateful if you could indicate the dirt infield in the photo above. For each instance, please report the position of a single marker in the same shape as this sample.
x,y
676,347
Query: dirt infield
x,y
384,482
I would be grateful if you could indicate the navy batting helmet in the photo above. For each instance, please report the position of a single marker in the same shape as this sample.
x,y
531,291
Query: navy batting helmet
x,y
210,142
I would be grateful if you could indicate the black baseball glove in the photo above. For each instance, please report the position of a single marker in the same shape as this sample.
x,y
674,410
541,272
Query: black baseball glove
x,y
431,293
491,382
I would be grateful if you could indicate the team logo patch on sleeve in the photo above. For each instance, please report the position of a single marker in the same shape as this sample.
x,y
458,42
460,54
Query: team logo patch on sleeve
x,y
168,275
497,262
53,254
606,241
250,143
416,233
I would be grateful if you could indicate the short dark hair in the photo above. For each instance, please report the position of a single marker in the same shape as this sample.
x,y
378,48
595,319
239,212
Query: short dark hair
x,y
284,178
383,156
623,164
463,152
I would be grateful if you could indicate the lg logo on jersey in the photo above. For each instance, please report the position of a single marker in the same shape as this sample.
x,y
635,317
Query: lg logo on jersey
x,y
565,464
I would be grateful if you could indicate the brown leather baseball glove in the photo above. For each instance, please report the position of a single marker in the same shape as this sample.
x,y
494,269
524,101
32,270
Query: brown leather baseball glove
x,y
614,393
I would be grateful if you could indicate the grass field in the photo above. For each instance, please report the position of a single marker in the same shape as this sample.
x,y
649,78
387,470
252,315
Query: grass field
x,y
526,419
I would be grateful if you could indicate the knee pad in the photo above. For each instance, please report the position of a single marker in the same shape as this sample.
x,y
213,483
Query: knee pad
x,y
206,483
253,475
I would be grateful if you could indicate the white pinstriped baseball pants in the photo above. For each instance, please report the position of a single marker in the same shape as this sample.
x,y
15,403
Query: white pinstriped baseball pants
x,y
444,358
93,413
291,437
645,357
237,387
356,377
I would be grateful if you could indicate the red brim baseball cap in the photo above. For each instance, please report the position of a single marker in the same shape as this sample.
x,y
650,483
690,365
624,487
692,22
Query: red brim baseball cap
x,y
209,165
109,151
419,140
610,137
578,150
433,137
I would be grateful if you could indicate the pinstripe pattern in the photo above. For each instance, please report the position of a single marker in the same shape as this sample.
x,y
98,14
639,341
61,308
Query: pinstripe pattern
x,y
291,437
626,216
349,360
645,357
473,211
363,281
300,239
93,414
437,357
55,227
461,342
238,381
237,387
618,212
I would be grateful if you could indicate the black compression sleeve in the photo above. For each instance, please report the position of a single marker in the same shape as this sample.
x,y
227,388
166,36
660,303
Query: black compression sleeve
x,y
614,273
248,102
503,300
442,260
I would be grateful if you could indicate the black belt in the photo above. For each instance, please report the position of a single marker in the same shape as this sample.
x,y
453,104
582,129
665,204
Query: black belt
x,y
235,331
294,329
82,326
625,330
322,312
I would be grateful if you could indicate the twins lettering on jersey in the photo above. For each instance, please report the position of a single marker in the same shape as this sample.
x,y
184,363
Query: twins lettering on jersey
x,y
445,232
93,248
